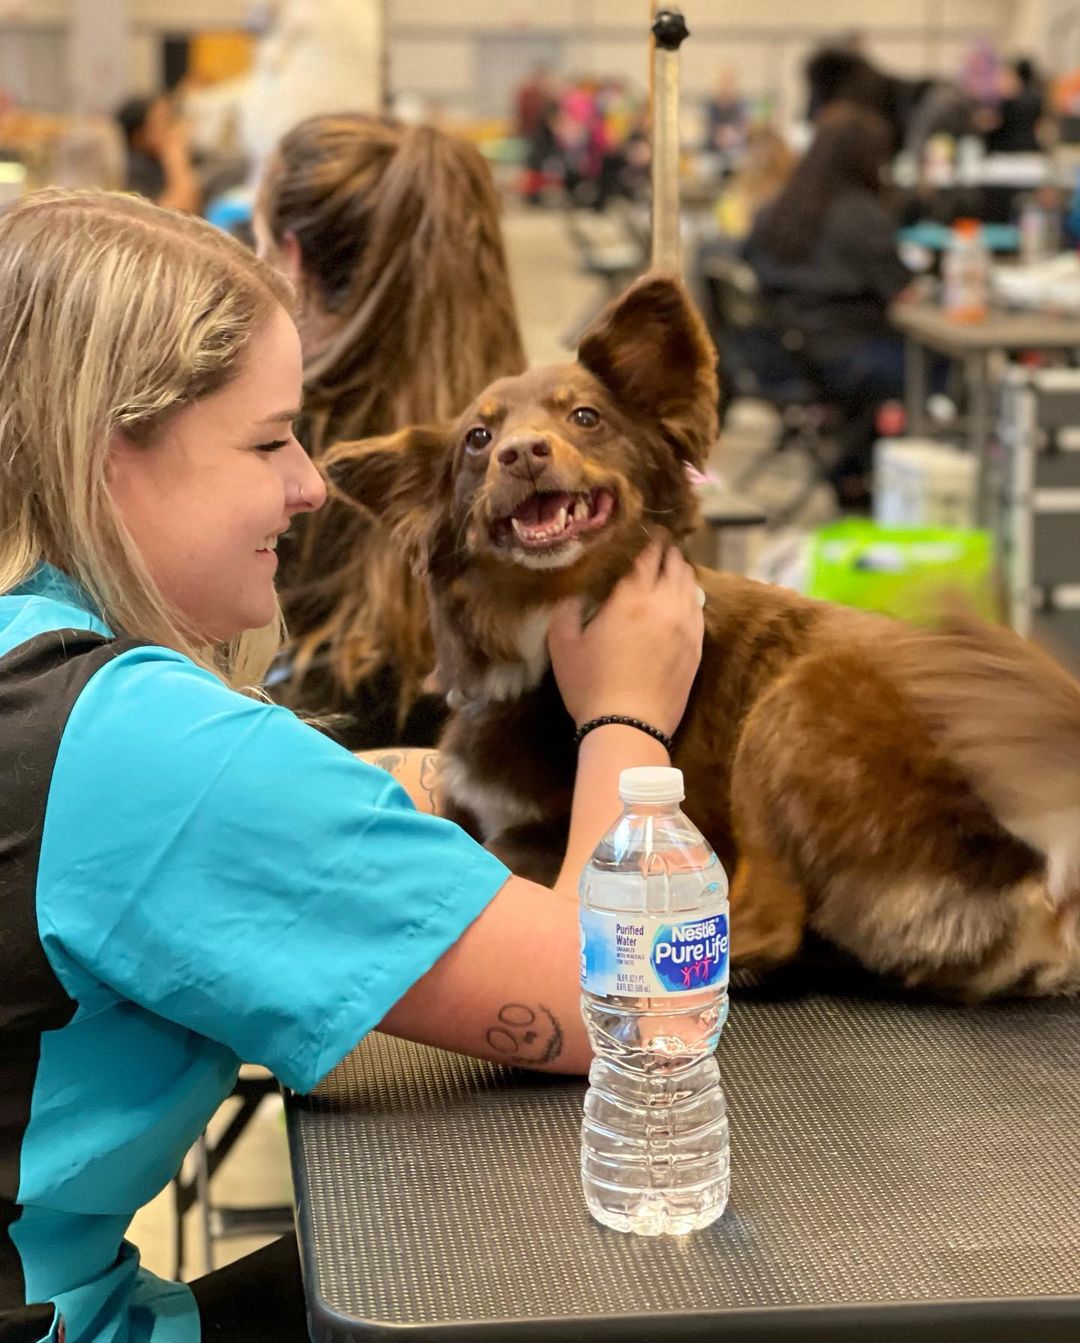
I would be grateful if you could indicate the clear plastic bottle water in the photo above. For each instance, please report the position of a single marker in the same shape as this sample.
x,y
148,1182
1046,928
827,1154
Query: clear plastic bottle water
x,y
966,273
654,974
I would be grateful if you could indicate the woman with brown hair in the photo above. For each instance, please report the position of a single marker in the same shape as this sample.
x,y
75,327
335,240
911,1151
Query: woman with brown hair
x,y
391,237
825,255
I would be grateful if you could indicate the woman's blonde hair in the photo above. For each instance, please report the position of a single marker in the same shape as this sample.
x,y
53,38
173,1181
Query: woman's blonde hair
x,y
113,315
767,165
400,240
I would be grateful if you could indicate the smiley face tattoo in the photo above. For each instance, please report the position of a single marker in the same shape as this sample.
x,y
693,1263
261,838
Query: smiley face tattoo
x,y
526,1036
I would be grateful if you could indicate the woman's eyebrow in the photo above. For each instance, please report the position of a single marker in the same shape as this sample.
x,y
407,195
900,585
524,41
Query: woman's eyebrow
x,y
281,417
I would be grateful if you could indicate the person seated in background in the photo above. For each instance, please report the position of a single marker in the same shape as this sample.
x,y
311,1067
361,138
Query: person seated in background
x,y
826,258
391,236
159,164
726,115
768,163
842,77
1017,124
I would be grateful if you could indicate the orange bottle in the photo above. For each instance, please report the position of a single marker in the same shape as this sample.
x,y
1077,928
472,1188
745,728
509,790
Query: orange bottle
x,y
966,273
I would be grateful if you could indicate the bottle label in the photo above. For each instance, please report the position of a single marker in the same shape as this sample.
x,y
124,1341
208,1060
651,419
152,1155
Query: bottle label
x,y
648,955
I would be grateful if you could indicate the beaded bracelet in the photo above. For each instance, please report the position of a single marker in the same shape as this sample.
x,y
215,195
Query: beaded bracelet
x,y
585,728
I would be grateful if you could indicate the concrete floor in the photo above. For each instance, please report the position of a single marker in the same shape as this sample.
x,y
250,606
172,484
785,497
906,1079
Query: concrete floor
x,y
553,298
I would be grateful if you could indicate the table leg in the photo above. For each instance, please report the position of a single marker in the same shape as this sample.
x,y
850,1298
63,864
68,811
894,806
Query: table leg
x,y
976,372
914,385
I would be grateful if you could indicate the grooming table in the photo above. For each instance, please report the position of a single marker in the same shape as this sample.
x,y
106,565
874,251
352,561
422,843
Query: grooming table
x,y
900,1170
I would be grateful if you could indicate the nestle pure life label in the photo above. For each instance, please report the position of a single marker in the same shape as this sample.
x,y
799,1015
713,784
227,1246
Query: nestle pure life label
x,y
644,955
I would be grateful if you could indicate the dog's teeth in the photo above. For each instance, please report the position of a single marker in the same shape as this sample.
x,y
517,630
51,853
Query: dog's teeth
x,y
581,509
536,533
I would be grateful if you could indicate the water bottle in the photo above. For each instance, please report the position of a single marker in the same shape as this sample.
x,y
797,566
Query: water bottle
x,y
1040,229
966,273
1034,225
654,975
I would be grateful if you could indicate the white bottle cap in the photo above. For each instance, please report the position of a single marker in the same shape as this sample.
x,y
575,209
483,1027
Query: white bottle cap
x,y
652,784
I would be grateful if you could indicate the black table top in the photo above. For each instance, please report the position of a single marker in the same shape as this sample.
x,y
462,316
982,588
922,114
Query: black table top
x,y
899,1171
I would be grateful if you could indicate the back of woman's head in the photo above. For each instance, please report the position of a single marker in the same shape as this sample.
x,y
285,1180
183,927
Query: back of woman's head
x,y
838,76
848,154
399,236
116,314
401,247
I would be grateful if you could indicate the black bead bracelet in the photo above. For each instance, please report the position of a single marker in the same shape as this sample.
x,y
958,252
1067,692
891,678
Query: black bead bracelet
x,y
586,728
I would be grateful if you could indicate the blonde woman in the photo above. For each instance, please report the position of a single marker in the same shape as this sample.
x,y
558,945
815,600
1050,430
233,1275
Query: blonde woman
x,y
190,875
765,168
392,238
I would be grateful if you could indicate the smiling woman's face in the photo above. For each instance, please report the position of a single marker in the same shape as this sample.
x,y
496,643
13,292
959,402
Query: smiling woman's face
x,y
207,500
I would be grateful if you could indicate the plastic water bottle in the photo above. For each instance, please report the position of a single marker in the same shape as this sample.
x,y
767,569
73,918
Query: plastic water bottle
x,y
966,273
1040,230
654,975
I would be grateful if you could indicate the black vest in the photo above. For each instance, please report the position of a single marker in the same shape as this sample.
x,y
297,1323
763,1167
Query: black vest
x,y
39,683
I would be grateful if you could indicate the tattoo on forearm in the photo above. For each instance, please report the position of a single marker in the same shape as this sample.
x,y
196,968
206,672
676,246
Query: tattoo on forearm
x,y
429,777
526,1036
390,761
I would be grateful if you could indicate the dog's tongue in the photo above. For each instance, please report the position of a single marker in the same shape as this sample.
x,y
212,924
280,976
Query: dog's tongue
x,y
540,509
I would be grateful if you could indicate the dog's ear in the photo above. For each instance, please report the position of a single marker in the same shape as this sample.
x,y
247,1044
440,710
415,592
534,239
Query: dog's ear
x,y
401,478
651,350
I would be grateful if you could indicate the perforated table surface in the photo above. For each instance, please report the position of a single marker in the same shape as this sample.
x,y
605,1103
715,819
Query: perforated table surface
x,y
899,1171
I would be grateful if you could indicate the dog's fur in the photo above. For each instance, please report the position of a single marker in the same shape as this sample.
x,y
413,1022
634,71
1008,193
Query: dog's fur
x,y
911,796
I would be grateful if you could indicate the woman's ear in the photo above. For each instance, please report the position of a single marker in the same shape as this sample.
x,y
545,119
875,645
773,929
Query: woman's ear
x,y
292,260
123,455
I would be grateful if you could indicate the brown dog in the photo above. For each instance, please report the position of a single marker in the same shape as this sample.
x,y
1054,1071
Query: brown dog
x,y
911,796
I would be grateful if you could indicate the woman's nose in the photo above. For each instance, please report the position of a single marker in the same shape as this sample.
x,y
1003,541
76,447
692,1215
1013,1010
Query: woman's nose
x,y
310,490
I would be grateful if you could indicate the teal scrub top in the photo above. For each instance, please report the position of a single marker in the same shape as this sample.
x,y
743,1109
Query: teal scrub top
x,y
218,882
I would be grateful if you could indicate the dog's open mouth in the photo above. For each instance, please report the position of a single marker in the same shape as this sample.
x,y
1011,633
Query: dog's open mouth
x,y
552,518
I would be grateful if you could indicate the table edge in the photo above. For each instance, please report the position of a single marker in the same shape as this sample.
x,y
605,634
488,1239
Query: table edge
x,y
935,1318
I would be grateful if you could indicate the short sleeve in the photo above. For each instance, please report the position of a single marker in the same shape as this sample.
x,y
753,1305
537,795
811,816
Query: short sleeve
x,y
216,861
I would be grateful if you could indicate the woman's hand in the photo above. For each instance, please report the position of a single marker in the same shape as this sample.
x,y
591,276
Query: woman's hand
x,y
640,653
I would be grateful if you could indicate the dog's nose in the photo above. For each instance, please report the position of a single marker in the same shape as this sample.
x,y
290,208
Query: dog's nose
x,y
524,448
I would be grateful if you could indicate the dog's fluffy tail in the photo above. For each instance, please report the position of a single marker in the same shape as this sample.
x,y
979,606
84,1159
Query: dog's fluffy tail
x,y
1009,716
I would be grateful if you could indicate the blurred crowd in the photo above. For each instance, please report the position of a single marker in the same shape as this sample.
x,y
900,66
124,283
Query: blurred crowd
x,y
812,206
819,233
587,138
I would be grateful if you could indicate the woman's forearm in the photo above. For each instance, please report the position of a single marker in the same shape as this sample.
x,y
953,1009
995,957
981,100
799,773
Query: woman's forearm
x,y
602,757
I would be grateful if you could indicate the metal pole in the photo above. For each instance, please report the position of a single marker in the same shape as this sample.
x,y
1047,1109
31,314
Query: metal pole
x,y
669,30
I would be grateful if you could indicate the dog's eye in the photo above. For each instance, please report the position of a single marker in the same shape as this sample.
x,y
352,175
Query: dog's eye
x,y
477,439
585,417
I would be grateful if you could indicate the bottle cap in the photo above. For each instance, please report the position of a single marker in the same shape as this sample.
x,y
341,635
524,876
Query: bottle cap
x,y
651,783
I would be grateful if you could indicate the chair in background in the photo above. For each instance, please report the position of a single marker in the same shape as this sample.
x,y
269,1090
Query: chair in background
x,y
220,1221
613,248
762,357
